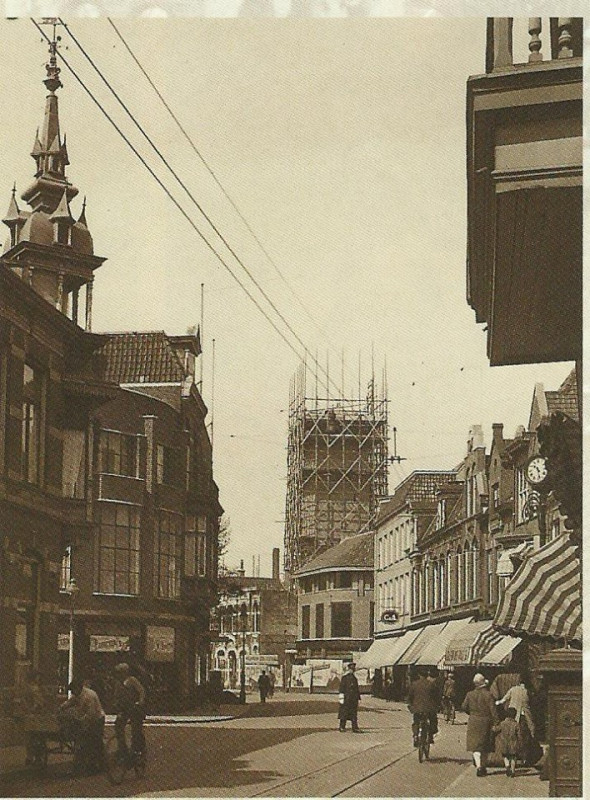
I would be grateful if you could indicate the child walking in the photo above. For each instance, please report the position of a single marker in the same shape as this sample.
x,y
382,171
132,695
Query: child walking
x,y
509,733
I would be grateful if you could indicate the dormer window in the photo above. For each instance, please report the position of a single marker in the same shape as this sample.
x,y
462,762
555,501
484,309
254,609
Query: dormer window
x,y
62,232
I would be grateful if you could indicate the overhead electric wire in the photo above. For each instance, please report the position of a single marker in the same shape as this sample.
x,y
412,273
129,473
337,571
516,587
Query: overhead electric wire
x,y
216,179
191,196
168,193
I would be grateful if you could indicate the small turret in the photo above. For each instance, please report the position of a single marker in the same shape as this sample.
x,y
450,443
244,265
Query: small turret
x,y
14,218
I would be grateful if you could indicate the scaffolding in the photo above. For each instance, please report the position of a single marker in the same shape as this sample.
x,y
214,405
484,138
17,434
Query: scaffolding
x,y
337,459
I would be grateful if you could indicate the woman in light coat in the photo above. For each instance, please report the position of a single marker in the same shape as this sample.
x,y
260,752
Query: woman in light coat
x,y
480,706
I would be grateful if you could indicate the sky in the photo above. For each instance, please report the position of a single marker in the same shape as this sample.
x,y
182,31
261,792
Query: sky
x,y
342,142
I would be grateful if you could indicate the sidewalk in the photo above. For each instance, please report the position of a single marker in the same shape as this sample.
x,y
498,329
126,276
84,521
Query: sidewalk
x,y
12,756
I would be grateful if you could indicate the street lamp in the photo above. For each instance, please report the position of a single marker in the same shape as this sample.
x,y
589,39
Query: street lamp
x,y
243,621
72,590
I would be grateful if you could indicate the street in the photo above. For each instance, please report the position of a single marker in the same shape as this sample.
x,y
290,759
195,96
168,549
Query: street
x,y
290,747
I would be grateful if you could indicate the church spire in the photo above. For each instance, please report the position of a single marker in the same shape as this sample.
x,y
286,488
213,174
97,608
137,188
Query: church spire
x,y
49,151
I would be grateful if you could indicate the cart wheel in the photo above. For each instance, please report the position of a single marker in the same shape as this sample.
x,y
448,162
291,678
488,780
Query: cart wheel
x,y
116,763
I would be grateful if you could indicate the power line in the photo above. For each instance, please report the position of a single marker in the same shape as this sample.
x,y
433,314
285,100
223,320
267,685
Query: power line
x,y
189,193
168,193
216,179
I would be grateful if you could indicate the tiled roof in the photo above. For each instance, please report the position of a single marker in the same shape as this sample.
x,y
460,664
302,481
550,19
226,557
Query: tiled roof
x,y
565,399
354,551
419,486
141,358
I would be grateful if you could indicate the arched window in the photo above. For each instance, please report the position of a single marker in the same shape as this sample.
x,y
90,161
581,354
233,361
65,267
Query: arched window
x,y
442,581
474,568
466,572
450,597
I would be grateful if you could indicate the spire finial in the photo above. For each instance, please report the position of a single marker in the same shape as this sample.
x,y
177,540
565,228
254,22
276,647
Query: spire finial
x,y
52,81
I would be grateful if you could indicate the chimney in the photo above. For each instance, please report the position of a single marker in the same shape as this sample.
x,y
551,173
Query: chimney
x,y
276,560
241,571
475,440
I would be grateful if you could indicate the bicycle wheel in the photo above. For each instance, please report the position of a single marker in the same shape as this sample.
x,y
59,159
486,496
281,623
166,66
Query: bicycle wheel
x,y
116,762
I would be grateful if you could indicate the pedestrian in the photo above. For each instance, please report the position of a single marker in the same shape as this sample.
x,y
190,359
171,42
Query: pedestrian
x,y
349,696
82,717
129,702
479,705
509,741
272,680
263,686
517,697
423,698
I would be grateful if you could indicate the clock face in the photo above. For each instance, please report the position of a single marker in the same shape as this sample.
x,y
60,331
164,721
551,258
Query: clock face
x,y
536,470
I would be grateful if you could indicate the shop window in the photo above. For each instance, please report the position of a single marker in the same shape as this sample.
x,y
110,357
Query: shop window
x,y
305,622
31,423
118,549
118,453
319,621
168,554
341,620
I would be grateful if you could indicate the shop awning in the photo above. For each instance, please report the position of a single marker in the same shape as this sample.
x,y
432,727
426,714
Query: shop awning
x,y
462,650
385,652
501,652
377,654
433,654
545,596
425,637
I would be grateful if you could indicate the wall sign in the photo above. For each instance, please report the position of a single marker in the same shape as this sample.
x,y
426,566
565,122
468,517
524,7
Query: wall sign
x,y
109,644
159,643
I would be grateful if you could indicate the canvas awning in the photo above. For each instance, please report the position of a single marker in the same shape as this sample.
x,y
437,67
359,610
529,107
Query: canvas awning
x,y
501,652
386,652
433,654
426,635
545,596
462,650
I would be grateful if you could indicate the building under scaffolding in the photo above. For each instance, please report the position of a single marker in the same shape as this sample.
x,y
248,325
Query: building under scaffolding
x,y
336,467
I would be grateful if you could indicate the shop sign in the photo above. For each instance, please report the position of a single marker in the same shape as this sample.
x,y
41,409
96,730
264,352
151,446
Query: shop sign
x,y
109,644
389,616
262,660
63,641
458,656
159,643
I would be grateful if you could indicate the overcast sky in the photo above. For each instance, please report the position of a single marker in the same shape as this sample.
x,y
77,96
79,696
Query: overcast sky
x,y
343,144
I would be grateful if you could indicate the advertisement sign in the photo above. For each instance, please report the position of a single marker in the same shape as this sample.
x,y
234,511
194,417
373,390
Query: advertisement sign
x,y
63,641
389,616
327,673
159,643
109,644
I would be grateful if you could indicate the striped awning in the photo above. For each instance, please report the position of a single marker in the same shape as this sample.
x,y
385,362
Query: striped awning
x,y
470,643
501,653
545,596
434,651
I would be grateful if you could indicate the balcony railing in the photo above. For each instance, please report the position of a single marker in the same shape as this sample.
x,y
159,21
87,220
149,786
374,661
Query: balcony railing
x,y
565,37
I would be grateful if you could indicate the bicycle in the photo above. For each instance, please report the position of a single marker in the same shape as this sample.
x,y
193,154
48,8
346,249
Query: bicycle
x,y
118,762
449,710
423,738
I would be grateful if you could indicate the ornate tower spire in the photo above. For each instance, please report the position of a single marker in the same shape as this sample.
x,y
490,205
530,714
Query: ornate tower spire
x,y
49,151
47,247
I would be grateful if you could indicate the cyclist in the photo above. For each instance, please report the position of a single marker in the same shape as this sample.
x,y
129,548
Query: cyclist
x,y
449,694
129,707
423,699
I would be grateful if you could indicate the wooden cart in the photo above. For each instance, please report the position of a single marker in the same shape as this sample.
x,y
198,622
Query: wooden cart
x,y
46,738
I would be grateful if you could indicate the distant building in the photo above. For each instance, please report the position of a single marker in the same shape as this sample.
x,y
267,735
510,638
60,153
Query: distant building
x,y
401,521
336,468
335,600
258,615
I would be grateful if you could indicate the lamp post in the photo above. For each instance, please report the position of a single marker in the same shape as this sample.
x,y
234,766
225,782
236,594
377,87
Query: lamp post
x,y
243,621
72,590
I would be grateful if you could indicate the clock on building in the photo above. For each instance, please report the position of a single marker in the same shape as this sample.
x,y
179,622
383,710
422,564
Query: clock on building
x,y
536,470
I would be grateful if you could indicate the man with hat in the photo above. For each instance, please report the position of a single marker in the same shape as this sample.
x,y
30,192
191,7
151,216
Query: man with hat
x,y
349,696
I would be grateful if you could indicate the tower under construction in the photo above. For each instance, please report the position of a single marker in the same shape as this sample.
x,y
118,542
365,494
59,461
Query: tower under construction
x,y
336,466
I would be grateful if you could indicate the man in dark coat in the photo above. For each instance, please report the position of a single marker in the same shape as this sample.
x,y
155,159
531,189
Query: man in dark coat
x,y
423,698
263,686
349,699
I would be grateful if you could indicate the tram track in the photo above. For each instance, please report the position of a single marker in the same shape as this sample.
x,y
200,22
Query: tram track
x,y
325,770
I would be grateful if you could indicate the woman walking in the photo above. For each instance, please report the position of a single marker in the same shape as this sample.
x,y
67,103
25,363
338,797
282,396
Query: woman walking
x,y
479,705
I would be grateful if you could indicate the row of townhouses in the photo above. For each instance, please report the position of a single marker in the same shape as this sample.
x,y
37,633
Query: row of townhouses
x,y
109,512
